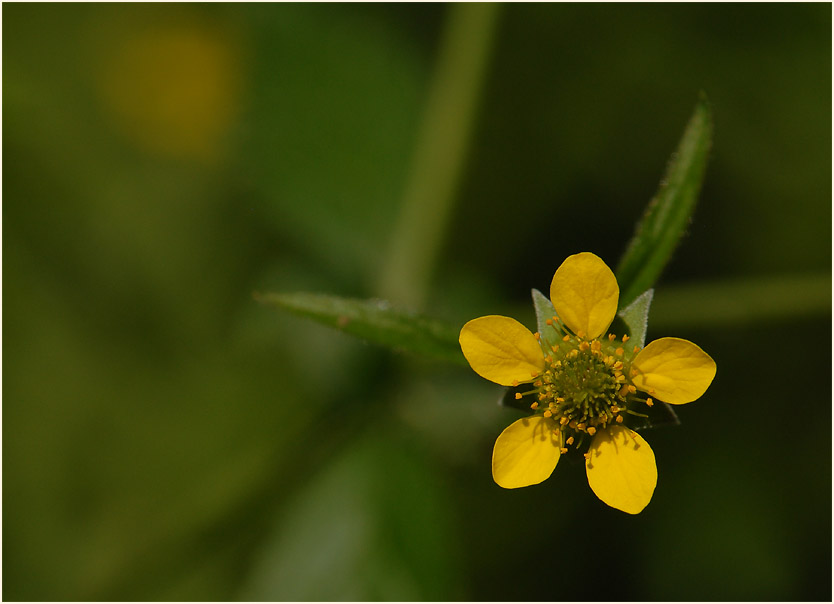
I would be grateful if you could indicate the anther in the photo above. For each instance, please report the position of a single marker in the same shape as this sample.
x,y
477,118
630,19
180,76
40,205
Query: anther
x,y
564,420
537,335
534,405
566,338
649,402
580,334
625,339
636,349
517,395
618,365
592,430
583,346
563,450
515,383
548,413
619,352
534,374
549,321
611,337
632,388
570,440
619,419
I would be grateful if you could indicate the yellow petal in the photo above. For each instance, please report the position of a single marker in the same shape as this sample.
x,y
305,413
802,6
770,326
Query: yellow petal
x,y
621,469
674,370
501,349
584,292
525,453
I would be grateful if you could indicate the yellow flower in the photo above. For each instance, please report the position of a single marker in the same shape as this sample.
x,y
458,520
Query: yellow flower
x,y
583,386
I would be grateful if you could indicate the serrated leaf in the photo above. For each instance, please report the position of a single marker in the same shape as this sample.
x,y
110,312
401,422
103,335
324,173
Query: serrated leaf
x,y
375,321
669,212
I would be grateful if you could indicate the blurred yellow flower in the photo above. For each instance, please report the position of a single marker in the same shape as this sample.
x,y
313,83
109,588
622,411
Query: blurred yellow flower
x,y
174,89
583,386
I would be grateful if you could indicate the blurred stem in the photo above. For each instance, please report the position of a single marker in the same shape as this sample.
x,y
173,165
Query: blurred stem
x,y
741,302
440,152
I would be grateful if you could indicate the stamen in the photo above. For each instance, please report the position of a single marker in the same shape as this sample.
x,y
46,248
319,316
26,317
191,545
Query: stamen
x,y
570,440
517,395
592,430
635,413
534,405
548,413
625,339
649,402
611,337
566,338
563,450
619,419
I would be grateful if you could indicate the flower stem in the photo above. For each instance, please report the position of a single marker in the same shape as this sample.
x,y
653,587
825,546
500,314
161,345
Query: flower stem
x,y
439,154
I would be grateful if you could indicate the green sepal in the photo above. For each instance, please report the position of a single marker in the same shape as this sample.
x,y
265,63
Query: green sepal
x,y
635,318
375,321
670,211
544,311
660,414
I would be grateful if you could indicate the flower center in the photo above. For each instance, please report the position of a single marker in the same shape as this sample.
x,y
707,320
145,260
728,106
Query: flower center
x,y
586,384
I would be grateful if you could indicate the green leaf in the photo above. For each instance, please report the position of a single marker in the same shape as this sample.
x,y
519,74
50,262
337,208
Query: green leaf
x,y
669,212
375,321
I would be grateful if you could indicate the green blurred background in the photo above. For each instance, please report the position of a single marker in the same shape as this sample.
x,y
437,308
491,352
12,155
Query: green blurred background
x,y
166,437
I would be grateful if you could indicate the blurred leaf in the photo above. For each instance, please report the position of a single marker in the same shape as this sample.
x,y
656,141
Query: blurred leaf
x,y
670,211
373,526
743,301
375,321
